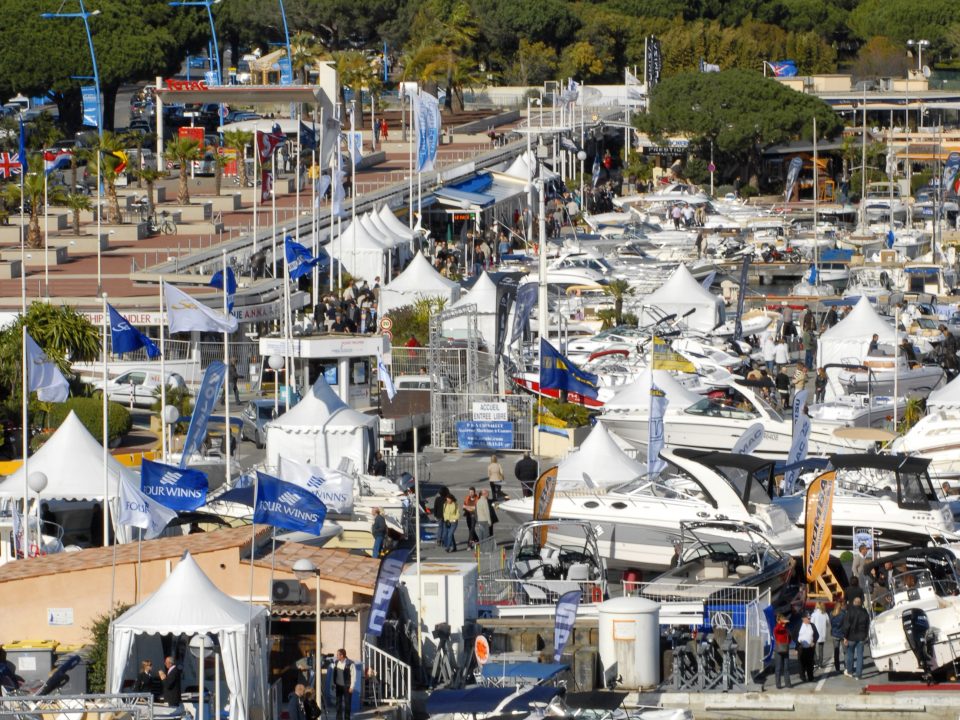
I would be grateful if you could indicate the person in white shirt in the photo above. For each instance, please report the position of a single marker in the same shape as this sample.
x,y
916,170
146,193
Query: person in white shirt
x,y
782,353
769,352
820,621
806,647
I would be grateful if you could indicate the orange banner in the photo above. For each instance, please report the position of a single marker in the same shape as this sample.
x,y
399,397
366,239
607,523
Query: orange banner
x,y
543,490
819,525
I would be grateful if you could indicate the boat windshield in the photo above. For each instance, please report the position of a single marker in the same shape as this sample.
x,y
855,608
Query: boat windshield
x,y
750,486
735,407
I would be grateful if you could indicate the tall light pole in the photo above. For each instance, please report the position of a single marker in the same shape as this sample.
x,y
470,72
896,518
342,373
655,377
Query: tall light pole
x,y
208,4
305,569
286,37
85,16
919,45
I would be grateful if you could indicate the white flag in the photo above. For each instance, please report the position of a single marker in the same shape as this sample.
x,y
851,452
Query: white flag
x,y
749,441
656,432
801,438
43,375
185,313
333,487
386,379
138,510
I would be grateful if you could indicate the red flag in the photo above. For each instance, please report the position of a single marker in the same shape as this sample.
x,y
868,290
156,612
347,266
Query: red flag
x,y
266,186
9,165
267,143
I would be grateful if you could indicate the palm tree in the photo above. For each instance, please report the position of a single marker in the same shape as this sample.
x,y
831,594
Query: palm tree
x,y
183,151
238,141
618,289
305,50
33,196
112,163
77,202
219,162
150,177
355,72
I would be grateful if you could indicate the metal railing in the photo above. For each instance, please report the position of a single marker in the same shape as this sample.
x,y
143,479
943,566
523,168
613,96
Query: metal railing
x,y
388,681
497,588
29,707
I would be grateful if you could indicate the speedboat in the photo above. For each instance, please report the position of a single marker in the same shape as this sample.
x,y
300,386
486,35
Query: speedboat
x,y
886,374
936,437
858,410
892,494
716,423
717,558
882,200
918,631
637,522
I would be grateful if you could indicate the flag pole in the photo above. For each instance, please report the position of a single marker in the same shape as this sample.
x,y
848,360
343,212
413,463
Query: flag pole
x,y
296,226
46,238
106,472
163,380
410,155
273,208
287,319
226,376
25,433
256,175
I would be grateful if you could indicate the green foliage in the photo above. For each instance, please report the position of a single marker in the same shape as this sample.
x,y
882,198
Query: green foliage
x,y
533,63
179,397
903,19
182,151
881,57
696,170
413,321
99,632
90,412
915,409
856,181
920,179
618,289
33,191
749,191
573,415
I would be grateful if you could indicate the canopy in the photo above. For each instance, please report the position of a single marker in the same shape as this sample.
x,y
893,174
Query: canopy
x,y
680,294
945,398
322,430
376,224
525,670
520,167
849,340
636,395
419,280
394,224
363,255
189,603
484,295
599,463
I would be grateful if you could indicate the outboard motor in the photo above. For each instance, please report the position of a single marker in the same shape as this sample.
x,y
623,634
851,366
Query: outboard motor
x,y
916,627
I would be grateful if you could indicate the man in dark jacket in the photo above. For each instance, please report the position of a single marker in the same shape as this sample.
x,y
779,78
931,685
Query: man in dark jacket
x,y
853,591
856,630
526,471
170,680
296,710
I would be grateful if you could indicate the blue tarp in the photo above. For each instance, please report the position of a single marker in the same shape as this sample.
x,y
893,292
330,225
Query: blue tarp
x,y
928,270
834,254
477,184
528,670
486,700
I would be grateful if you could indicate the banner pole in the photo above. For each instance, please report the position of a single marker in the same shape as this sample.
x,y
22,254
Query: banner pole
x,y
25,436
163,382
256,191
227,432
106,471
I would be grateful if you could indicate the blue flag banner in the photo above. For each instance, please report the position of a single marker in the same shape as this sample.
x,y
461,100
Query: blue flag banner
x,y
812,277
176,488
299,259
950,171
388,577
285,505
656,433
308,137
91,112
783,68
125,338
217,282
567,607
526,299
206,399
286,71
558,373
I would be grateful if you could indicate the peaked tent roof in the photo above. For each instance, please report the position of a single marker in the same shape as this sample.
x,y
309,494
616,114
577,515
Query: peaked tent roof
x,y
323,407
483,294
393,223
946,397
364,240
72,460
421,276
637,393
520,167
599,463
188,602
375,222
860,324
681,287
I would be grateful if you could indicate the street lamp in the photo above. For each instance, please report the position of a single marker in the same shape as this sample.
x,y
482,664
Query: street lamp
x,y
286,37
305,569
213,30
170,416
276,362
919,45
581,156
37,481
85,16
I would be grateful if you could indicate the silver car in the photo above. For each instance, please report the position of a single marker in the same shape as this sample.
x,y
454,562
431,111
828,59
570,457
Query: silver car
x,y
256,415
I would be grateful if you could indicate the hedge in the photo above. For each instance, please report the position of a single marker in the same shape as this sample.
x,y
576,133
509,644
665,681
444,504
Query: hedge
x,y
90,412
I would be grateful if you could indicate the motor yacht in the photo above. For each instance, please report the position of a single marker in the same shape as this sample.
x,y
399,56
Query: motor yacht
x,y
936,437
638,522
882,200
861,410
886,374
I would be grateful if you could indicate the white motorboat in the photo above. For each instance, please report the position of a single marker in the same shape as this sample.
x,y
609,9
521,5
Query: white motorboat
x,y
676,192
622,337
579,269
935,437
716,423
892,494
882,200
858,410
886,374
871,281
918,633
638,522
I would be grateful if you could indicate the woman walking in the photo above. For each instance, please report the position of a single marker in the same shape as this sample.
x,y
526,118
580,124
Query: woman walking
x,y
836,631
495,476
470,515
451,518
781,652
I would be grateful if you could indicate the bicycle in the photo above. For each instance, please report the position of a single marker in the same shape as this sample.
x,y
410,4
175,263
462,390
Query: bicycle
x,y
164,224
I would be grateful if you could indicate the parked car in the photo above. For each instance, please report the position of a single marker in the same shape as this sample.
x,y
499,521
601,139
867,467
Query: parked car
x,y
256,415
137,386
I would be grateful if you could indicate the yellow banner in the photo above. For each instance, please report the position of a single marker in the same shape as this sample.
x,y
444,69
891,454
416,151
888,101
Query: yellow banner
x,y
551,421
664,358
543,490
819,521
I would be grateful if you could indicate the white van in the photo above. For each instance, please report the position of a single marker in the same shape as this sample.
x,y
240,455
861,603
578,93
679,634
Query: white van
x,y
136,387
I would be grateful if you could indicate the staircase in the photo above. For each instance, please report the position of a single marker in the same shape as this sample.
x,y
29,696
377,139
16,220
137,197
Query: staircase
x,y
387,680
825,588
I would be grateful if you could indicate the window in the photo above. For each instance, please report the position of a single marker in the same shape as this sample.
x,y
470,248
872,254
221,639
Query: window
x,y
916,492
136,378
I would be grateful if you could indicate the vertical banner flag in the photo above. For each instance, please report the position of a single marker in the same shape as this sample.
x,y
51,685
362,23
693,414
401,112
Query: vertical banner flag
x,y
333,487
22,151
749,441
231,286
654,60
138,510
178,489
950,179
526,299
267,143
206,398
818,525
388,577
742,294
426,113
386,378
284,505
793,172
308,136
125,338
43,376
355,144
266,186
567,607
655,430
543,490
91,113
801,436
286,71
506,296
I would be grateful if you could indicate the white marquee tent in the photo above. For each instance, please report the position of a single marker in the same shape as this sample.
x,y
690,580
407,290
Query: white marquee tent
x,y
393,223
945,398
322,430
360,253
189,603
680,294
419,280
636,395
483,294
849,339
520,167
599,463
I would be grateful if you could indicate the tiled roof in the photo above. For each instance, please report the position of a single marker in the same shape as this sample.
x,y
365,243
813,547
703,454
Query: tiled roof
x,y
305,610
339,565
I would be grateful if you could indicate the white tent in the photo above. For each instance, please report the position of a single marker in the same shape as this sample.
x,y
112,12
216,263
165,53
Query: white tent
x,y
520,167
945,398
394,224
189,603
419,280
849,340
322,430
361,254
483,294
680,294
599,463
374,225
636,395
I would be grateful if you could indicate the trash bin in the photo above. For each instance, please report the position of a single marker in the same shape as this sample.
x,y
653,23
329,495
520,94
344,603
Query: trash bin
x,y
33,658
77,676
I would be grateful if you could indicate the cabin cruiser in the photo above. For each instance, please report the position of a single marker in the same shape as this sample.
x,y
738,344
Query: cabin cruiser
x,y
918,631
935,437
676,192
717,422
637,522
871,281
621,337
886,374
882,200
579,269
892,494
860,410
